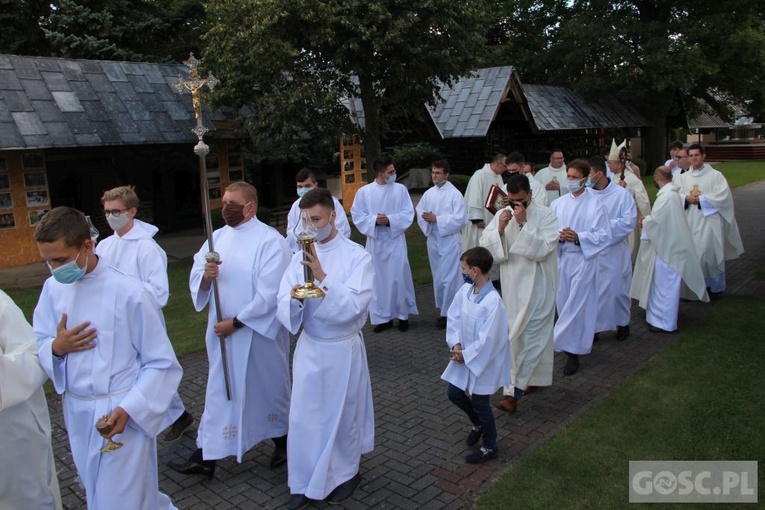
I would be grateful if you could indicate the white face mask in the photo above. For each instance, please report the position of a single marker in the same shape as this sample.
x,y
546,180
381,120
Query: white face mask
x,y
117,223
324,232
574,185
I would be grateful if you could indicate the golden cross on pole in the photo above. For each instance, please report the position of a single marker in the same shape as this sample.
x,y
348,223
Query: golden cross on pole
x,y
194,84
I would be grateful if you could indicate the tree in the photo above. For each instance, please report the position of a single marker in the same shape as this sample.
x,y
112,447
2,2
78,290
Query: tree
x,y
138,30
658,54
295,62
20,31
655,51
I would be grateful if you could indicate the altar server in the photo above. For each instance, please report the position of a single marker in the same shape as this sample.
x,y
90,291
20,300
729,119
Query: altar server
x,y
382,210
584,231
102,342
331,416
253,257
441,215
133,250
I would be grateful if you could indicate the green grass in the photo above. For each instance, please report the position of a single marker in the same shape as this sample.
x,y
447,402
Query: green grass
x,y
701,399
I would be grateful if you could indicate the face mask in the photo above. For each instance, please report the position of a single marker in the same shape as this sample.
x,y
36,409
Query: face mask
x,y
117,222
440,183
69,272
233,214
467,279
302,191
573,185
324,232
391,179
590,183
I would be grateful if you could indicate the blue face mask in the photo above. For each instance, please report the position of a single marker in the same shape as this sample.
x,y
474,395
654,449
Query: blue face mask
x,y
69,272
302,191
467,279
391,179
574,185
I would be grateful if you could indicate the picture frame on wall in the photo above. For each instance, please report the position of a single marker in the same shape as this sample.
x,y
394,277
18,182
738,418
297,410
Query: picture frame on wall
x,y
35,180
37,198
7,220
6,200
5,182
36,215
33,160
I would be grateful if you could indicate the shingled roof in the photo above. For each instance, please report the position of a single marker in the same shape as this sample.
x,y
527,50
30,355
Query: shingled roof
x,y
555,108
51,102
471,103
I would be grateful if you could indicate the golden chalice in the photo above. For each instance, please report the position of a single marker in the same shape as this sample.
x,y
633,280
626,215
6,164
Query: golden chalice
x,y
104,429
305,233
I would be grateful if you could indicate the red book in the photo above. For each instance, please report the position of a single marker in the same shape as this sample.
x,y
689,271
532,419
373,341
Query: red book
x,y
494,199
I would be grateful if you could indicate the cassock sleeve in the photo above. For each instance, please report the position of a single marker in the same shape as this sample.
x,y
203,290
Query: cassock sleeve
x,y
492,241
292,219
159,373
153,268
289,311
626,220
454,320
484,349
641,197
344,301
363,218
341,220
538,239
403,217
453,221
598,236
20,372
45,326
260,313
199,297
423,206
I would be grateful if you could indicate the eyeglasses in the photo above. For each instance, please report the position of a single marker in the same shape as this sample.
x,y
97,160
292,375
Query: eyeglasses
x,y
436,173
115,212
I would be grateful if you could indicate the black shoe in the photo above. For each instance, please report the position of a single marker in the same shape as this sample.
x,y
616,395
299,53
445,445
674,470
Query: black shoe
x,y
344,491
482,455
403,325
660,331
572,364
474,436
715,295
180,427
382,327
297,501
595,337
441,323
190,467
622,332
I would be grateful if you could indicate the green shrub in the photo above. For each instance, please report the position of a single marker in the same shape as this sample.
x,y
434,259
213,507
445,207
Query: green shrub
x,y
419,155
460,181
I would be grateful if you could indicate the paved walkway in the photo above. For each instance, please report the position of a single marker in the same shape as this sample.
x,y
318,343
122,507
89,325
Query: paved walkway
x,y
418,458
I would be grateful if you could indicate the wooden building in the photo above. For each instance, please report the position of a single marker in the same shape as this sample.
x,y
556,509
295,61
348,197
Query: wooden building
x,y
70,129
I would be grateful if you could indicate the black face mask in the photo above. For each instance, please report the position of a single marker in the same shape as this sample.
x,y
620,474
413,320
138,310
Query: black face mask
x,y
232,214
524,204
